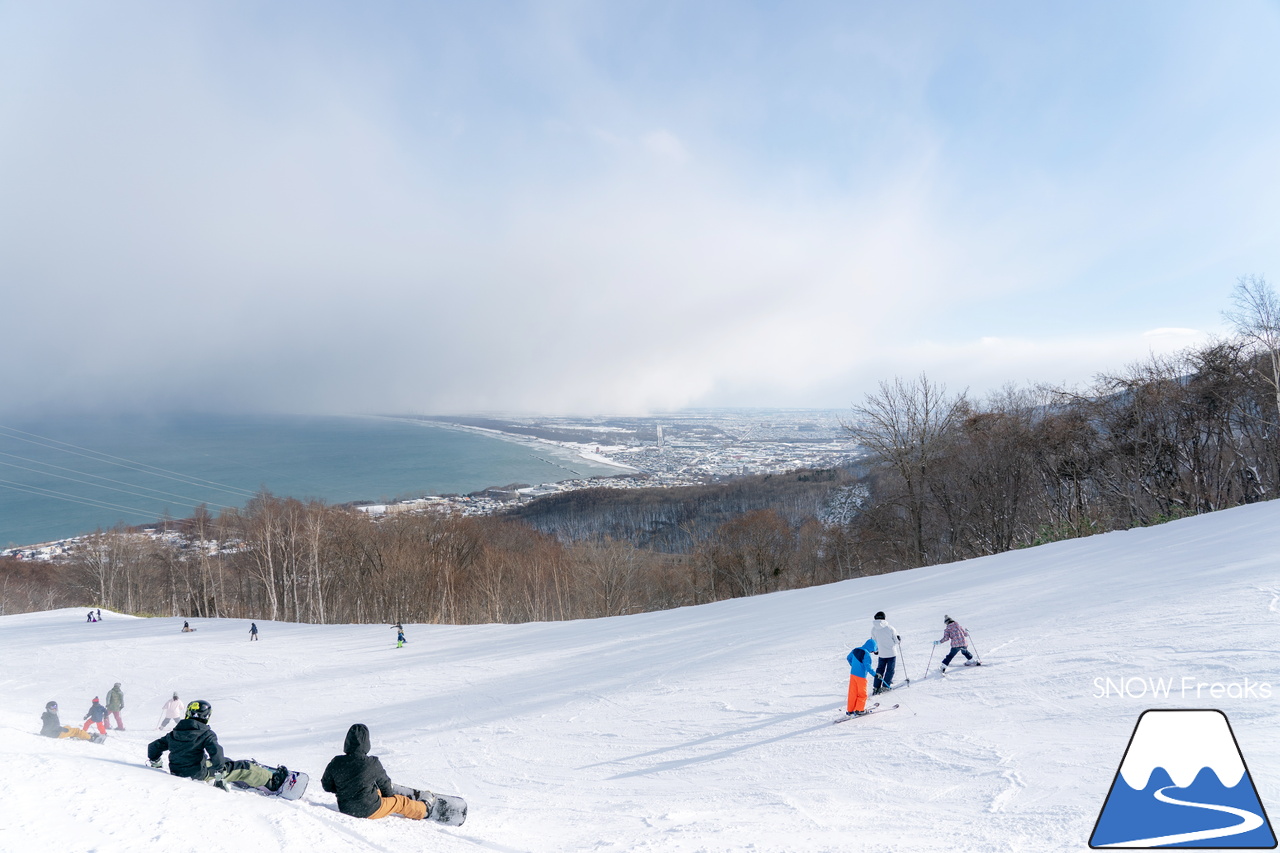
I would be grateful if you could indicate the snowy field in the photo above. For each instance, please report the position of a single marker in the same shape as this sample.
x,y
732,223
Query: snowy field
x,y
702,729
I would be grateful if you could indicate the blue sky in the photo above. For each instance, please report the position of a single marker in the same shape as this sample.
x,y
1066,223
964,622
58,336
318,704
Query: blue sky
x,y
619,206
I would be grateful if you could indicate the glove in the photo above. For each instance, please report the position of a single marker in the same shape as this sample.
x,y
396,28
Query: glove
x,y
155,762
936,642
899,638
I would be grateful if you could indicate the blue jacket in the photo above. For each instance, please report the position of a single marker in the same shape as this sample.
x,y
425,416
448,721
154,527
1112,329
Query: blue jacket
x,y
860,660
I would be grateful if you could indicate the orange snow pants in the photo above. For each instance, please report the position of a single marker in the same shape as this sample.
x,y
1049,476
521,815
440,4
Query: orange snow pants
x,y
400,805
857,694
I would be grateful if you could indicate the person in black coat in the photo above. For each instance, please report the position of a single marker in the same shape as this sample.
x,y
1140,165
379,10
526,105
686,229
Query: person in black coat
x,y
51,726
192,740
362,785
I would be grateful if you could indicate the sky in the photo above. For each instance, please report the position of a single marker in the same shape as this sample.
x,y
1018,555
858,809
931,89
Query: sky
x,y
621,207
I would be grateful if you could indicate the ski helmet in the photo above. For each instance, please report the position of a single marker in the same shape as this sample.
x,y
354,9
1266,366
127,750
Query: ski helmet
x,y
51,706
879,615
199,710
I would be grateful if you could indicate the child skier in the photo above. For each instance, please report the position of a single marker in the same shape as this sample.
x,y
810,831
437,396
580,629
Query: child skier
x,y
887,640
253,631
115,704
361,784
860,667
959,641
192,739
97,714
172,711
51,726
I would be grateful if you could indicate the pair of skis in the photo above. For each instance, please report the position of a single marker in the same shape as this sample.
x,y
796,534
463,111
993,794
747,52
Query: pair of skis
x,y
872,709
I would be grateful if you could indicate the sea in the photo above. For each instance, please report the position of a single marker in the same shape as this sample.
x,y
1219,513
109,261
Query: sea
x,y
66,477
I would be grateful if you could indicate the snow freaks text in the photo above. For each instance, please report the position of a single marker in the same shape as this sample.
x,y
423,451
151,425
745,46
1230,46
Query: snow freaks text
x,y
1184,687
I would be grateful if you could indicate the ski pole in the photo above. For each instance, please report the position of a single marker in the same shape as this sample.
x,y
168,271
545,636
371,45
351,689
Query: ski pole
x,y
902,657
976,653
930,663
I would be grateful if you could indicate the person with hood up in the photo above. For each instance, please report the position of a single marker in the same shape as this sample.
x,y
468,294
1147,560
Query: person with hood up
x,y
887,641
172,710
51,726
96,716
361,784
959,638
192,740
860,667
115,704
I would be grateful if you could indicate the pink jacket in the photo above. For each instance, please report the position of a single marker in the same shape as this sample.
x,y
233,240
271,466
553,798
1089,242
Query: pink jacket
x,y
955,634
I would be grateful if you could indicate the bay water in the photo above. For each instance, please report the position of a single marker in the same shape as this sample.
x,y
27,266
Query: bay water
x,y
65,477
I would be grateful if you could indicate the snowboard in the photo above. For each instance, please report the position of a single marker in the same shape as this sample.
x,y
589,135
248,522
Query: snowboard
x,y
293,787
442,808
870,709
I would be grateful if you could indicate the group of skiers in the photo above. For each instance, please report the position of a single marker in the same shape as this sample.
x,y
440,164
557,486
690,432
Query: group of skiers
x,y
95,616
885,644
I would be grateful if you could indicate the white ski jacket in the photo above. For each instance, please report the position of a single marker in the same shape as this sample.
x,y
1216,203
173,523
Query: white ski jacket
x,y
886,638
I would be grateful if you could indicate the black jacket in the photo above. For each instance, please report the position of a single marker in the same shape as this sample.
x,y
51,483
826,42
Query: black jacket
x,y
52,727
357,777
187,745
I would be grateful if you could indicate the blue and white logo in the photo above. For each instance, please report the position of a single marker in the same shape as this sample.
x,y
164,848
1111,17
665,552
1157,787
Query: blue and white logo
x,y
1183,783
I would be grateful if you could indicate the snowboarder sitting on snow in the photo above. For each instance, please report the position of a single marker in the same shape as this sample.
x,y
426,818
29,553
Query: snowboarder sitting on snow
x,y
172,711
97,714
959,642
192,739
886,641
362,785
860,667
51,726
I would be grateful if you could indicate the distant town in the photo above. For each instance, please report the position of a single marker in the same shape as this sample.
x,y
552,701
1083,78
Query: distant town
x,y
685,448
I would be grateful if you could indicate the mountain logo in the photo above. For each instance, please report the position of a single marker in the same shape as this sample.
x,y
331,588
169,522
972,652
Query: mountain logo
x,y
1183,783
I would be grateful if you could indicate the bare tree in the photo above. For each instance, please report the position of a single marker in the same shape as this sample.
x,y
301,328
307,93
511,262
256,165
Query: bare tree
x,y
1255,314
906,424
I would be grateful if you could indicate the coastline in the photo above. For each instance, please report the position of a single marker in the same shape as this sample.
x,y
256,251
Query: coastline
x,y
566,451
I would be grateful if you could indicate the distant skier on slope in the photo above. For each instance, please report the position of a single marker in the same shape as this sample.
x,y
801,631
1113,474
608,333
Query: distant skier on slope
x,y
362,786
959,641
253,631
400,640
192,739
51,726
887,641
172,711
860,668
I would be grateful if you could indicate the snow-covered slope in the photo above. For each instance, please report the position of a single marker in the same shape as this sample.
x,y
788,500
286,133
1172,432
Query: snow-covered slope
x,y
702,729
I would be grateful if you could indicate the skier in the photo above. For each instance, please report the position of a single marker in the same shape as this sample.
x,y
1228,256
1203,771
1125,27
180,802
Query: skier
x,y
253,631
192,739
172,711
361,784
90,619
99,619
97,714
186,627
860,666
400,640
51,726
115,704
959,642
886,638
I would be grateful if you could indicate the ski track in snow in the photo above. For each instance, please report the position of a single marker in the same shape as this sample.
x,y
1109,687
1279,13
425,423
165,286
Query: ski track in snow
x,y
693,731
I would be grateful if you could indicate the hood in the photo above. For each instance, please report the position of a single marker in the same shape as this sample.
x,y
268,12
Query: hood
x,y
117,684
871,646
357,742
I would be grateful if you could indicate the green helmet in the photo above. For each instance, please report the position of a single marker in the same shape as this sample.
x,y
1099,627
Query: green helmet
x,y
199,710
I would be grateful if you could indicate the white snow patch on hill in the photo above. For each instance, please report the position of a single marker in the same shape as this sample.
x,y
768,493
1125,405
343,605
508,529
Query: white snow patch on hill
x,y
701,729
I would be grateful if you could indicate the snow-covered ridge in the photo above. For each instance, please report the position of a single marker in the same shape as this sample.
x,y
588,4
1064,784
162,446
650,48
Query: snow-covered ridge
x,y
701,729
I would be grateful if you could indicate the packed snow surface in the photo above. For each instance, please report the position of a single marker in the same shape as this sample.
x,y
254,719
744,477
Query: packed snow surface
x,y
701,729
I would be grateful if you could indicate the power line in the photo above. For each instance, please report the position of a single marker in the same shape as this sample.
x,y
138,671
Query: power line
x,y
183,498
63,496
140,467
